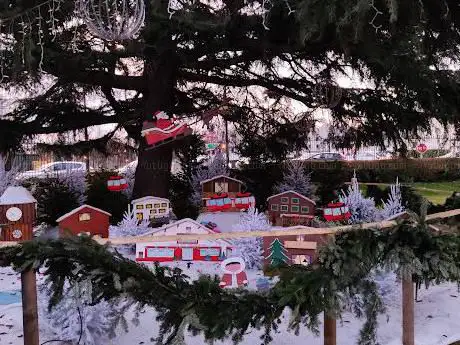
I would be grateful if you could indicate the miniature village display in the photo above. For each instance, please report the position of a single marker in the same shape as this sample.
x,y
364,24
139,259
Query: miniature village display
x,y
151,208
234,273
336,212
194,250
225,194
18,212
290,208
85,219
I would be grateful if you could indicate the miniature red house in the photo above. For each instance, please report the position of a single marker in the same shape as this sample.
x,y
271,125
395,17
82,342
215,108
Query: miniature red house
x,y
85,219
290,208
17,214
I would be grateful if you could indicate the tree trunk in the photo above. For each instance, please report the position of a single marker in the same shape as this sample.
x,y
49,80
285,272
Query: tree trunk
x,y
330,330
29,307
408,312
154,166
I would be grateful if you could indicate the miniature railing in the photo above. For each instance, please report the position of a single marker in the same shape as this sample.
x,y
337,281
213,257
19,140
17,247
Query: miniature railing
x,y
28,280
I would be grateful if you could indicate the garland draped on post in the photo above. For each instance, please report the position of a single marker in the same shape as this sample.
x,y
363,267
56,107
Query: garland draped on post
x,y
340,281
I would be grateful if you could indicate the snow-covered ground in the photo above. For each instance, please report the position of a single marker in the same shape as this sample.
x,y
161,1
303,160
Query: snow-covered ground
x,y
437,317
224,220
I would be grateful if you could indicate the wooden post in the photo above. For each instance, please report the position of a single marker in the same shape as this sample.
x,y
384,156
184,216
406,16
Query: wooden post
x,y
330,330
408,312
29,307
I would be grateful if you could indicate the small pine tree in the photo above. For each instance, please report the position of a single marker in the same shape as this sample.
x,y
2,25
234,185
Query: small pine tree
x,y
394,204
295,178
7,178
130,225
217,166
362,209
250,248
277,254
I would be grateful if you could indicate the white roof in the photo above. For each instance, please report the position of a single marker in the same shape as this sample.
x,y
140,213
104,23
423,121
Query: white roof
x,y
145,198
16,195
78,209
219,176
291,191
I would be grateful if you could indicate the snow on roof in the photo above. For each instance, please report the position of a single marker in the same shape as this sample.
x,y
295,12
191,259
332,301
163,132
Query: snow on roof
x,y
224,220
16,195
145,198
219,176
78,209
291,191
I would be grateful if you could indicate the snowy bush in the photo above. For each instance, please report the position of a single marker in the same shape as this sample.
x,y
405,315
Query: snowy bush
x,y
7,178
250,248
129,226
394,203
74,320
217,166
362,209
295,178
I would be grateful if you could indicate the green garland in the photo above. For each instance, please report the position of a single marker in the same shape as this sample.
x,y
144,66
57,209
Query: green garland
x,y
340,281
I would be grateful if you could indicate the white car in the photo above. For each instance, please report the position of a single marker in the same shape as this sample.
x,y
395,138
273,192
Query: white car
x,y
52,170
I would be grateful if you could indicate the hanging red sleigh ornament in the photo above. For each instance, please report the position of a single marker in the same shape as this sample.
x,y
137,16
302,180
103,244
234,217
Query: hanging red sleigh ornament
x,y
116,184
163,130
336,212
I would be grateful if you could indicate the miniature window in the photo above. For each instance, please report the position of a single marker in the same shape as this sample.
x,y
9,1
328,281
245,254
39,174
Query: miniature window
x,y
153,211
140,255
139,207
210,252
148,206
305,209
294,208
161,210
160,252
156,205
188,229
294,200
336,212
164,204
284,200
284,208
151,216
139,216
84,217
328,212
221,187
274,207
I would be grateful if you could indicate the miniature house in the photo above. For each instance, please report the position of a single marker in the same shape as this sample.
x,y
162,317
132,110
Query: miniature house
x,y
298,249
151,207
190,250
85,219
223,193
18,212
290,208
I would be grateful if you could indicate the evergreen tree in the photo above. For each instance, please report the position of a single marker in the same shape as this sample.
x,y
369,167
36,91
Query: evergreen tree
x,y
186,62
250,248
7,178
277,254
394,203
362,209
295,178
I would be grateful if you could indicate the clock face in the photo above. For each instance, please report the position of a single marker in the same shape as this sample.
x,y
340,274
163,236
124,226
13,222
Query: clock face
x,y
13,214
16,233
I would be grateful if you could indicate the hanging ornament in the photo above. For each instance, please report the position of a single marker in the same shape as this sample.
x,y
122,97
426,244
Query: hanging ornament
x,y
327,94
112,20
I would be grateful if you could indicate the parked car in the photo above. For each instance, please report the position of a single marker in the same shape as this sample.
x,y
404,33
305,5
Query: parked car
x,y
52,170
328,156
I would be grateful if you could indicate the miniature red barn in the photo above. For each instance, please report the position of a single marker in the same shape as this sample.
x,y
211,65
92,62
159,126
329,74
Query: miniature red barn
x,y
18,212
85,219
290,208
195,250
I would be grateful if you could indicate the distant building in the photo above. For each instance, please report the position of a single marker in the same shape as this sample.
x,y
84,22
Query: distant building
x,y
85,219
151,208
290,208
195,250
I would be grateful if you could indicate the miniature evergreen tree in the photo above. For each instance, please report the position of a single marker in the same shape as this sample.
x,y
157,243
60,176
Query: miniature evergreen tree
x,y
130,225
394,204
362,209
250,248
278,254
295,178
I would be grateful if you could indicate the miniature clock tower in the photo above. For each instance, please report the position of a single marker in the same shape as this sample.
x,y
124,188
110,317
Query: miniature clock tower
x,y
18,211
